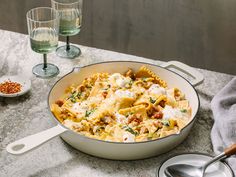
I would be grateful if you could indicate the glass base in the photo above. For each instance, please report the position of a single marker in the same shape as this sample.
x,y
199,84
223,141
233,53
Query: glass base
x,y
51,70
70,54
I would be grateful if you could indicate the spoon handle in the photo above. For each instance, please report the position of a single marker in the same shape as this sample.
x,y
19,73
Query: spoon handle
x,y
227,152
230,150
216,158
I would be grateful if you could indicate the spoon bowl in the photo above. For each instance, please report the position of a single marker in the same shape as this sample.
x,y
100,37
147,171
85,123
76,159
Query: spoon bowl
x,y
182,170
186,170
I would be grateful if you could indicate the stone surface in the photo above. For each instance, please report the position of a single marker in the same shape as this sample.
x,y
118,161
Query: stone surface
x,y
28,114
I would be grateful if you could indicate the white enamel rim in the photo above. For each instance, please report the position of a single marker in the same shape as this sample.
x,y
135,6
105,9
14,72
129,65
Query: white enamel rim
x,y
100,63
26,85
157,174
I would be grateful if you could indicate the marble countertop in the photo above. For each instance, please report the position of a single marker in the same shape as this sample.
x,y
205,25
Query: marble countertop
x,y
28,114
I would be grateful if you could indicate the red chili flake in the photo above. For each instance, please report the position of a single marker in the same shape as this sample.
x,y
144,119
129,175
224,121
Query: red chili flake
x,y
157,115
104,94
9,87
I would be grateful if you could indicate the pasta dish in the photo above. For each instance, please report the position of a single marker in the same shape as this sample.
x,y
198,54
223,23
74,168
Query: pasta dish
x,y
123,107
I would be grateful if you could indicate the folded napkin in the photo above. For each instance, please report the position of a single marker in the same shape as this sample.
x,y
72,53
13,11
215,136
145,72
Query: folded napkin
x,y
223,133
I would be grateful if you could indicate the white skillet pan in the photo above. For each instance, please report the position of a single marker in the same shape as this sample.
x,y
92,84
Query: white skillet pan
x,y
116,150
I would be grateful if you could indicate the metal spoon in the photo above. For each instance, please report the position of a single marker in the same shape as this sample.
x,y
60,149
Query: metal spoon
x,y
184,170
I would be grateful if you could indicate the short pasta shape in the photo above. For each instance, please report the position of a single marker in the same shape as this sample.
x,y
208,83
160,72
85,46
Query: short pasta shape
x,y
130,107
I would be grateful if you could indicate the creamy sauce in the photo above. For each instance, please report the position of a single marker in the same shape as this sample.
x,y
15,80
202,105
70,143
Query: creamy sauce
x,y
124,93
121,119
128,137
169,112
80,109
70,124
156,89
119,80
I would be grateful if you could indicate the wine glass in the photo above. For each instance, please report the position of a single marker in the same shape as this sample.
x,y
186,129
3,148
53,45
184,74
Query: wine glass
x,y
43,28
70,12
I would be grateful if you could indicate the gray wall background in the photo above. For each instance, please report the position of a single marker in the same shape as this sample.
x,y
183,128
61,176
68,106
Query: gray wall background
x,y
201,33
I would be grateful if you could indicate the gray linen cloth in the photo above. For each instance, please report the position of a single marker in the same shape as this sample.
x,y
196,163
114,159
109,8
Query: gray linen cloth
x,y
223,133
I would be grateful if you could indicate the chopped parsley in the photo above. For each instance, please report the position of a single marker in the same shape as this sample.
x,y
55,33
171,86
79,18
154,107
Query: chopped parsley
x,y
75,95
152,100
165,122
129,113
87,113
183,110
131,82
107,87
128,129
72,99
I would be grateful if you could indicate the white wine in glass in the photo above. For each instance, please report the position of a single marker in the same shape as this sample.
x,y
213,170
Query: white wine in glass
x,y
43,29
44,40
70,22
70,12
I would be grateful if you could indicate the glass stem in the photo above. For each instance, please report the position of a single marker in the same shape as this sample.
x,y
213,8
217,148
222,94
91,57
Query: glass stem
x,y
67,43
44,61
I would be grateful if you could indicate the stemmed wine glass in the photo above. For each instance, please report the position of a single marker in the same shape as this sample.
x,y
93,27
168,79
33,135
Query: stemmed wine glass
x,y
43,28
70,12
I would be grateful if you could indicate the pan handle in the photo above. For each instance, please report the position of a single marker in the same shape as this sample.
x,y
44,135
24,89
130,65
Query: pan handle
x,y
30,142
188,70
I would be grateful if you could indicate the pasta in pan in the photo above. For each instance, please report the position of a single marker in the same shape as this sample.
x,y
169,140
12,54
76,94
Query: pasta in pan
x,y
128,107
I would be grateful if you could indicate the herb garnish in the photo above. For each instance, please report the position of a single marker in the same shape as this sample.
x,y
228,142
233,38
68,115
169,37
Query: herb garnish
x,y
183,110
87,113
72,99
165,122
131,82
152,100
128,114
75,95
128,129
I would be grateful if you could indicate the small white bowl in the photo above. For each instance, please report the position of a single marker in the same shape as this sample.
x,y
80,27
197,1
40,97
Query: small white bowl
x,y
218,169
25,83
